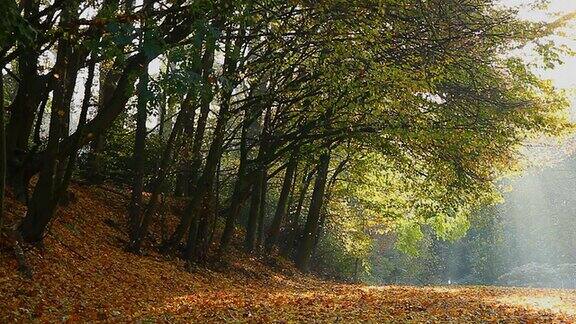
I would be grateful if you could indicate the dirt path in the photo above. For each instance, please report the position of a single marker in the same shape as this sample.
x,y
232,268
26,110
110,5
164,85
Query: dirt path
x,y
347,304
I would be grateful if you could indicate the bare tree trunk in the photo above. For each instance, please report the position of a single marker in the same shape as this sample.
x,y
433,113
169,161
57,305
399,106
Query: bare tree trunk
x,y
203,184
198,234
134,210
253,214
109,77
324,212
32,89
48,189
293,227
138,157
40,118
282,206
262,210
312,222
191,175
216,205
165,162
27,97
63,187
251,126
206,180
184,162
258,192
43,202
110,74
2,151
190,181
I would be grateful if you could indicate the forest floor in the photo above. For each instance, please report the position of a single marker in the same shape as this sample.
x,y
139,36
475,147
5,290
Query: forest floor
x,y
82,273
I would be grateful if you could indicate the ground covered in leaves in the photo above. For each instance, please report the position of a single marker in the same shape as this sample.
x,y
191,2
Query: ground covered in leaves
x,y
82,273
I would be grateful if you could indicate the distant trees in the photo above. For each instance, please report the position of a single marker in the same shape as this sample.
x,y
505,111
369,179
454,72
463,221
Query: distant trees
x,y
276,113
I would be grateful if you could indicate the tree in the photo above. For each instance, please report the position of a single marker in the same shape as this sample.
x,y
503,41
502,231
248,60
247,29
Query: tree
x,y
402,114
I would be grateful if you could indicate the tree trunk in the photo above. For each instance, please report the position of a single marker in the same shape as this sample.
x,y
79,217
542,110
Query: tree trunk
x,y
201,195
110,74
194,181
216,205
109,77
212,160
251,126
163,169
190,249
262,210
204,184
32,89
48,189
282,206
324,212
253,214
206,96
243,183
63,187
202,240
311,228
182,184
197,234
2,151
28,97
258,190
40,118
293,226
138,157
134,210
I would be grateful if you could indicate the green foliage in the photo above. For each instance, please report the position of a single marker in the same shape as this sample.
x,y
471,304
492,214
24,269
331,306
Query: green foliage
x,y
448,122
13,27
409,236
421,105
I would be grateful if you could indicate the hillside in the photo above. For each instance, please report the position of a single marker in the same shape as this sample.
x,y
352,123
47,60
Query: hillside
x,y
82,273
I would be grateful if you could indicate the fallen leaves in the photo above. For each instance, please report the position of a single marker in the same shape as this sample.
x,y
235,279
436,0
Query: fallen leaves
x,y
93,279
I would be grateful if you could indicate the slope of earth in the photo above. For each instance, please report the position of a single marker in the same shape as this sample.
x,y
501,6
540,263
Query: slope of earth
x,y
82,273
